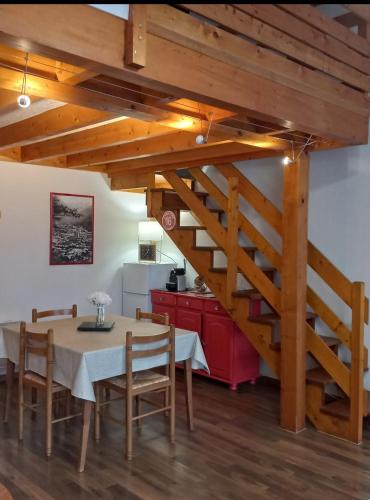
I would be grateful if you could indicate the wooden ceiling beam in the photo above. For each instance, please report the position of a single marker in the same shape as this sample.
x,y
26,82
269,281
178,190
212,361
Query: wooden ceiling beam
x,y
59,120
174,141
192,157
41,87
106,135
42,30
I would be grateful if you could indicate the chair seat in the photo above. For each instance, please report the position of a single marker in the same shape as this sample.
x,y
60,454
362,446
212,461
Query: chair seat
x,y
36,380
141,379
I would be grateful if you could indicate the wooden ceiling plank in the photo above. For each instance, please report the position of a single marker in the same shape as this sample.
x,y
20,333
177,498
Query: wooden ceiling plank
x,y
183,29
319,20
42,30
98,137
175,140
59,120
247,24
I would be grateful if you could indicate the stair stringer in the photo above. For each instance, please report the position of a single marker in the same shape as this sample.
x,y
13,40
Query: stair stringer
x,y
330,424
259,335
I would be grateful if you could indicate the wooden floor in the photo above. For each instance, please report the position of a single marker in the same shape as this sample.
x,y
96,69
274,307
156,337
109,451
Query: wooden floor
x,y
237,452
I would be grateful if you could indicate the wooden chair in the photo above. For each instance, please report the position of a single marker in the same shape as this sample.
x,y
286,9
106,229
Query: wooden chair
x,y
10,366
38,344
135,384
164,319
54,312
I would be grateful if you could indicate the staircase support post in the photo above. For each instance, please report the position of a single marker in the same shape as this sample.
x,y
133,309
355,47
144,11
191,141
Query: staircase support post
x,y
232,238
294,285
357,362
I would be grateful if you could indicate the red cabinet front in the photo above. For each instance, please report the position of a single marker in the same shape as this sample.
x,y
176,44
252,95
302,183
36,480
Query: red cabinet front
x,y
217,343
162,309
189,320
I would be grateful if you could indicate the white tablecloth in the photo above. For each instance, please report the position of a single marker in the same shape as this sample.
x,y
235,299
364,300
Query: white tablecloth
x,y
82,358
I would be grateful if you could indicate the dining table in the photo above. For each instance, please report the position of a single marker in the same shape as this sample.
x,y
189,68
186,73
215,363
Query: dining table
x,y
82,358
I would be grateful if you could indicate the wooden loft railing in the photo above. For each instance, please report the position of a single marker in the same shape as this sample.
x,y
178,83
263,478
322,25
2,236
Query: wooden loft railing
x,y
348,377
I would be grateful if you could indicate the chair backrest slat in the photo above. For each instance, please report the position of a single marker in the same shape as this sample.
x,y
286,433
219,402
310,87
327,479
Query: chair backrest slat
x,y
151,351
148,353
54,312
163,319
39,344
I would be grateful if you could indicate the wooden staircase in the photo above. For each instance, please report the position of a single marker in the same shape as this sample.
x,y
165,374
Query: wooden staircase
x,y
341,417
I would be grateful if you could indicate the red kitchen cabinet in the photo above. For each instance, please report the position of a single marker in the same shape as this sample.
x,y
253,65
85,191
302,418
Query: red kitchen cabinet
x,y
189,320
230,356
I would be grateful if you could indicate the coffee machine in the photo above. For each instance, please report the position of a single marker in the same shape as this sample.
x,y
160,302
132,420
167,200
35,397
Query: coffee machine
x,y
177,280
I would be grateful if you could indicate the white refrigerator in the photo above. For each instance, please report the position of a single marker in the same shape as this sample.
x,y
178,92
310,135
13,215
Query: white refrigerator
x,y
138,280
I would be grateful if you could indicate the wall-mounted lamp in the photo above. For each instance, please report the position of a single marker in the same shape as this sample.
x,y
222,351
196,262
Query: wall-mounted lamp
x,y
23,100
150,232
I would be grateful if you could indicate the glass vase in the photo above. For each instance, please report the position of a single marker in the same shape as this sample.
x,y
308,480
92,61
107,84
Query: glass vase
x,y
100,316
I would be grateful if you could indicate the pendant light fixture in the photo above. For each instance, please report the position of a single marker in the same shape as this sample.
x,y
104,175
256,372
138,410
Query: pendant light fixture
x,y
23,100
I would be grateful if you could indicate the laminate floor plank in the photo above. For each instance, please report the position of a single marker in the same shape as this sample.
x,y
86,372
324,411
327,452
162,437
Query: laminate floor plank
x,y
237,452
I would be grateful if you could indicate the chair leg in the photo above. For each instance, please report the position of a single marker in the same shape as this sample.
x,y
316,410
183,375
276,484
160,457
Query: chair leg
x,y
20,410
172,412
129,427
48,418
68,404
98,393
137,405
33,401
189,393
9,386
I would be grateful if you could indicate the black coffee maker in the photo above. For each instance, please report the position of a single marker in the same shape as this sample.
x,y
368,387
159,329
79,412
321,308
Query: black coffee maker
x,y
177,280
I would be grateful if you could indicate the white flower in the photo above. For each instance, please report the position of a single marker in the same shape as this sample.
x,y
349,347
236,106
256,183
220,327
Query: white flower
x,y
99,299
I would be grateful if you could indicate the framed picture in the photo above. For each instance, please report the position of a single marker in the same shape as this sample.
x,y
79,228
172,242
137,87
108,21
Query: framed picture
x,y
147,252
71,229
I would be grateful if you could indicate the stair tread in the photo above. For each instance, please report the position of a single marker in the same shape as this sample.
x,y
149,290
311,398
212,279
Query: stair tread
x,y
191,227
252,293
341,407
220,249
329,341
319,375
272,317
265,269
200,194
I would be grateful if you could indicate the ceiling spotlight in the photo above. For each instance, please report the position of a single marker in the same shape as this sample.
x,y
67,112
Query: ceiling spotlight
x,y
200,139
287,160
23,101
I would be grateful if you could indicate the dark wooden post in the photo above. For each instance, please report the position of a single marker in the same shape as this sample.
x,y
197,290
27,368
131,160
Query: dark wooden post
x,y
294,284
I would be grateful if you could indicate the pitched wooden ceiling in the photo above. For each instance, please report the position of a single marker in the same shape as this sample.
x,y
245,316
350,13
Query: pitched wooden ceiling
x,y
83,118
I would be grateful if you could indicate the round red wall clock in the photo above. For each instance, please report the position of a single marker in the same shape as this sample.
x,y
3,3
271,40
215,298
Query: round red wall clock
x,y
168,220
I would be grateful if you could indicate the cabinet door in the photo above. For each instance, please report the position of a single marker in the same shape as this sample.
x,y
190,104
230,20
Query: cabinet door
x,y
217,343
162,309
189,320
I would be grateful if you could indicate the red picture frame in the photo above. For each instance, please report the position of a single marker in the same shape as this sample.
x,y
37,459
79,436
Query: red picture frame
x,y
71,229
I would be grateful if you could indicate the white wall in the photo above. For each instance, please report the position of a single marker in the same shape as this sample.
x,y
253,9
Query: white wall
x,y
26,278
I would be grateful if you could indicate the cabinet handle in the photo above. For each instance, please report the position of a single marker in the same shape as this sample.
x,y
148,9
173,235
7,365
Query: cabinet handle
x,y
187,303
160,299
216,308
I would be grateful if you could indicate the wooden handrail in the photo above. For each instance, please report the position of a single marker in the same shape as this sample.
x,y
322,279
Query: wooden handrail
x,y
232,239
246,226
258,201
357,362
336,280
246,265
